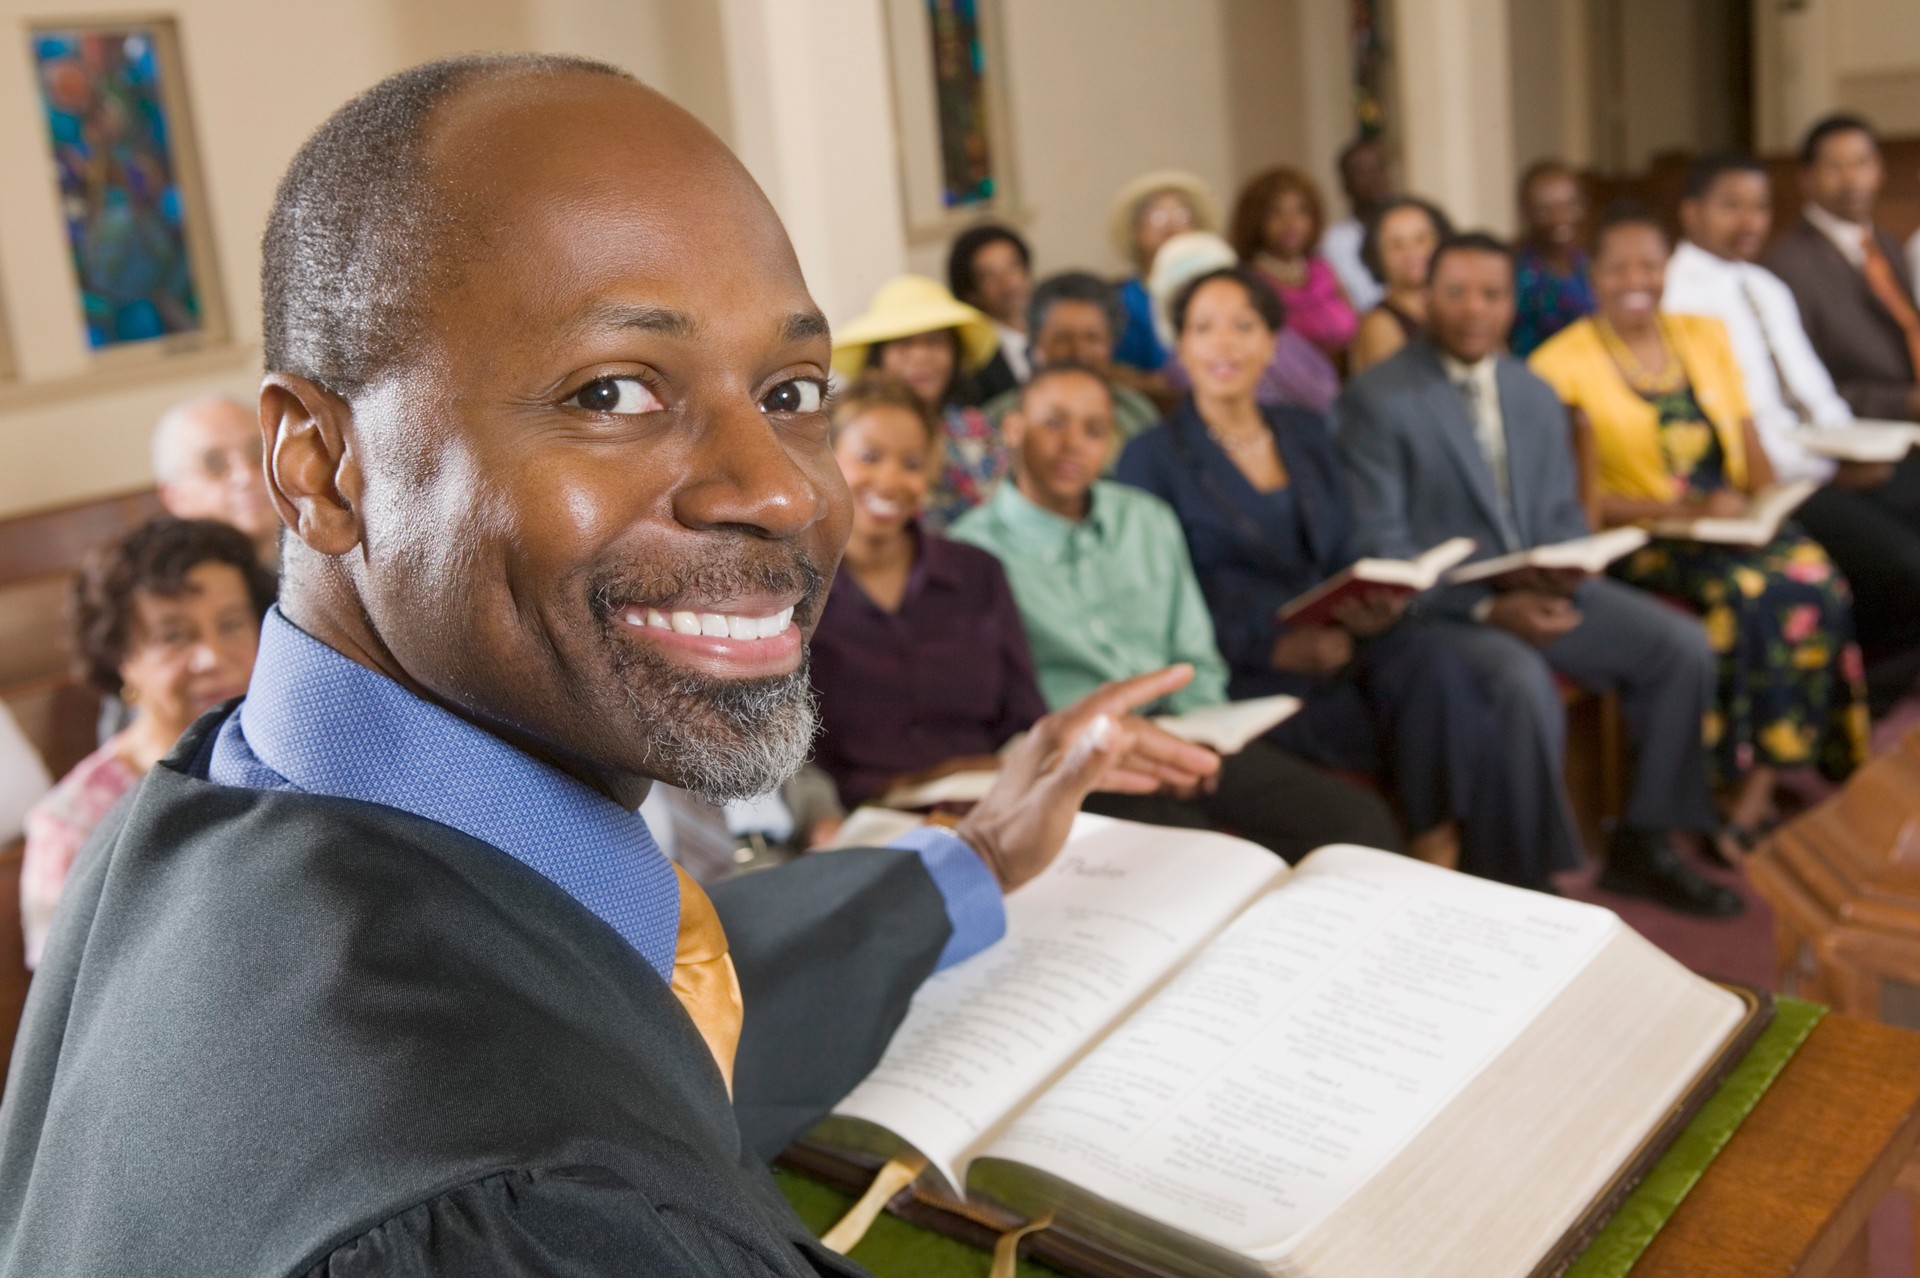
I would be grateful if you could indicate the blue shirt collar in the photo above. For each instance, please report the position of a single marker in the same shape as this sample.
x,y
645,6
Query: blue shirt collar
x,y
318,722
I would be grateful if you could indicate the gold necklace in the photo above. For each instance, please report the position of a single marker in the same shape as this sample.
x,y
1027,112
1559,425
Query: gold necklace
x,y
1668,378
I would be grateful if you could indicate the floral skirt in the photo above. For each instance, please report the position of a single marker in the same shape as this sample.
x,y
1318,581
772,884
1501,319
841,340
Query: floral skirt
x,y
1780,619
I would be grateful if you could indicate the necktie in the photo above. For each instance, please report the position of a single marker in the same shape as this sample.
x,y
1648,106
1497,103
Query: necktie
x,y
1885,285
703,977
1492,446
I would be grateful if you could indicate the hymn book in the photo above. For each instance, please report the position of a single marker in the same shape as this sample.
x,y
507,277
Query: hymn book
x,y
1758,526
1225,729
1863,440
1204,1063
1583,556
1367,577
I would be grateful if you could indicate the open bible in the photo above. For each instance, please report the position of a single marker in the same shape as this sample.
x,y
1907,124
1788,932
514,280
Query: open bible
x,y
1200,1062
1760,525
1374,576
1863,440
1580,557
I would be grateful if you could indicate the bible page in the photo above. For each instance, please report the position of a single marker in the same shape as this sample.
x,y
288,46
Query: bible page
x,y
1121,907
1295,1056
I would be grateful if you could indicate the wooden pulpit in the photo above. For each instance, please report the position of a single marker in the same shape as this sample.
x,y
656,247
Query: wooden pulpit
x,y
1844,883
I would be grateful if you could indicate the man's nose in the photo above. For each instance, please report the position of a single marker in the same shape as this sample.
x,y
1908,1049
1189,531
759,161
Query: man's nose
x,y
743,476
203,658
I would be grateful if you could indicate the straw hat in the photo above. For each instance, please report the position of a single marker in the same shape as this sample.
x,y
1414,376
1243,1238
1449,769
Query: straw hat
x,y
908,305
1186,256
1126,205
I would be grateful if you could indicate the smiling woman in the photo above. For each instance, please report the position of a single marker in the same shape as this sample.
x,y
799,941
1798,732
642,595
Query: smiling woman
x,y
168,620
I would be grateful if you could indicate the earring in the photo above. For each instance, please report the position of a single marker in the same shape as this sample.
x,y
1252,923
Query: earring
x,y
128,694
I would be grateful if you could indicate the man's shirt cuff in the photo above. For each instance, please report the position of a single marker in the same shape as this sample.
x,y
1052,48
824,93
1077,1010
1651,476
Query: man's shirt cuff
x,y
974,904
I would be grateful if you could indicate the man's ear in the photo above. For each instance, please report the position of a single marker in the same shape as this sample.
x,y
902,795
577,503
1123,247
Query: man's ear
x,y
313,474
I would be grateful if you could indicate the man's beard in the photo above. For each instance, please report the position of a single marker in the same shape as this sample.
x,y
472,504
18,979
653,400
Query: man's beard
x,y
721,739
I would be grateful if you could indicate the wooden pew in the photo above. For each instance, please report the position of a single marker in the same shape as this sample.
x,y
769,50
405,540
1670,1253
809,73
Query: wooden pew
x,y
1898,209
39,553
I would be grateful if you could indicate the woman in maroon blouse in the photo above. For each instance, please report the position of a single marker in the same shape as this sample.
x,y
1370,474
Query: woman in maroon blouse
x,y
919,658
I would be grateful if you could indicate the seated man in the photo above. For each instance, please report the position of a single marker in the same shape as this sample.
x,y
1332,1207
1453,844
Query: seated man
x,y
1855,296
1105,589
206,464
1866,516
990,268
379,972
1075,318
1453,438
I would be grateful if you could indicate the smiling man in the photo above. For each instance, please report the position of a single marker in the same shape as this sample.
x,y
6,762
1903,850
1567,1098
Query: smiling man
x,y
379,972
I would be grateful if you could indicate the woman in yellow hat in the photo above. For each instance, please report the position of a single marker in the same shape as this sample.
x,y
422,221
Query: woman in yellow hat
x,y
915,330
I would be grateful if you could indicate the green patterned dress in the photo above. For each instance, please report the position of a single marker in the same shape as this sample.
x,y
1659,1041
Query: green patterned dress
x,y
1780,619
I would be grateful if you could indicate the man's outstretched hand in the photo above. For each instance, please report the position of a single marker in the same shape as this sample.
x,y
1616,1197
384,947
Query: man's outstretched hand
x,y
1094,744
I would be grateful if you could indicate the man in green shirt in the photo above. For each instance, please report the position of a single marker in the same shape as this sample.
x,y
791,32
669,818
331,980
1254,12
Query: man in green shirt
x,y
1105,590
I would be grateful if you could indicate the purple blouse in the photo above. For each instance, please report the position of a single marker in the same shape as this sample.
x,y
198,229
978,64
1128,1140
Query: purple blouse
x,y
947,675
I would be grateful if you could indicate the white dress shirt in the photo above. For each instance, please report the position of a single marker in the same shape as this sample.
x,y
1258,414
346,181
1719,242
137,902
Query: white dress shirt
x,y
1014,344
1340,245
1849,237
1913,263
1787,386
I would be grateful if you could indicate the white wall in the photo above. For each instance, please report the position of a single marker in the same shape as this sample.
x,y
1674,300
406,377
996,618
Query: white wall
x,y
1100,91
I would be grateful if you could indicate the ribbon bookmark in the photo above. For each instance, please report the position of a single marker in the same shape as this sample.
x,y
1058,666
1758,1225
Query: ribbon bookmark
x,y
888,1181
1006,1252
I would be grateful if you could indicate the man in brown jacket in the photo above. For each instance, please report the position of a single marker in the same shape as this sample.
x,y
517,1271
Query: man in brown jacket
x,y
1847,275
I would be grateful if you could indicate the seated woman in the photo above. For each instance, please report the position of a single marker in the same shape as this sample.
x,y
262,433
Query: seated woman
x,y
1149,211
1399,240
1298,375
168,618
916,331
990,268
1276,228
1259,494
1551,288
919,658
1668,410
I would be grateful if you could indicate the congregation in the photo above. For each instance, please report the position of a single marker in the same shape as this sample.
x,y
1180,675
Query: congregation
x,y
1060,482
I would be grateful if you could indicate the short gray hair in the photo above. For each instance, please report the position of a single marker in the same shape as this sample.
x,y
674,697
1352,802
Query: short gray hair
x,y
165,444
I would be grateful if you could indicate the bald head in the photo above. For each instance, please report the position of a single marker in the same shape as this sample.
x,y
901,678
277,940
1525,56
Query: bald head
x,y
563,467
359,228
206,465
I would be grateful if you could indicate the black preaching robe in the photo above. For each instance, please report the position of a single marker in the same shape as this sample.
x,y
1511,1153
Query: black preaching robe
x,y
277,1033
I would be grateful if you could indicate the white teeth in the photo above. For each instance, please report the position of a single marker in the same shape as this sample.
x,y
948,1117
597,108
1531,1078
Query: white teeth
x,y
714,624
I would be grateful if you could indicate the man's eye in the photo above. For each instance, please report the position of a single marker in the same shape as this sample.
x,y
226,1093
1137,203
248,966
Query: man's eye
x,y
801,395
628,395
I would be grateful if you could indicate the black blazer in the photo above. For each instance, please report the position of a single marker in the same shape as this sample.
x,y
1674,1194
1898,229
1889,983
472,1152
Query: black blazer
x,y
278,1033
1859,342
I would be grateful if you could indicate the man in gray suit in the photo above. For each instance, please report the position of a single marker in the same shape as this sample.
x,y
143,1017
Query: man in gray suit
x,y
1452,437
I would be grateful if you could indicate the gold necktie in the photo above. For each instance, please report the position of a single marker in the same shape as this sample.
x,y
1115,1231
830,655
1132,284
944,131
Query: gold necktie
x,y
1884,283
703,977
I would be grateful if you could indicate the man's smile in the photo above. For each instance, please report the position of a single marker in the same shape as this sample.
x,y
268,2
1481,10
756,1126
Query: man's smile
x,y
751,642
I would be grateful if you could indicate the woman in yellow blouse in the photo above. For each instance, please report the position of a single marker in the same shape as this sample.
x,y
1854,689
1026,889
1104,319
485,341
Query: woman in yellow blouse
x,y
1673,437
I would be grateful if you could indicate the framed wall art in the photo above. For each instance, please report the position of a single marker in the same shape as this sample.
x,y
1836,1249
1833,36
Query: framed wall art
x,y
113,95
956,160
